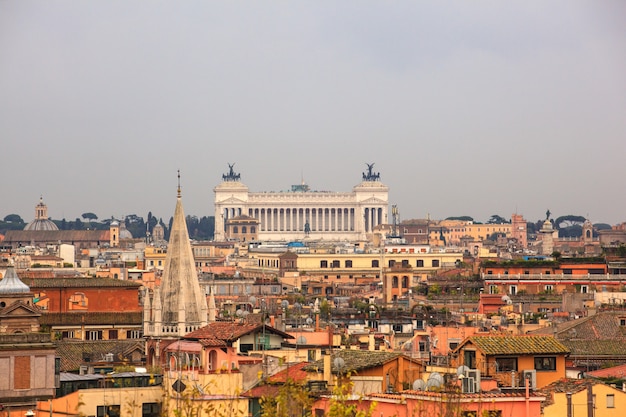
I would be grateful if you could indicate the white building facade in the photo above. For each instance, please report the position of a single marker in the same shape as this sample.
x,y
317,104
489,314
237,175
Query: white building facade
x,y
301,213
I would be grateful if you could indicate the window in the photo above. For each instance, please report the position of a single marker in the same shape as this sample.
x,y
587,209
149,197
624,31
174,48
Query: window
x,y
405,282
375,263
545,363
94,335
394,282
112,334
150,410
549,288
422,346
336,264
584,289
622,321
610,400
252,229
244,229
235,230
108,411
405,263
513,289
392,263
323,264
420,263
506,364
134,334
435,263
348,263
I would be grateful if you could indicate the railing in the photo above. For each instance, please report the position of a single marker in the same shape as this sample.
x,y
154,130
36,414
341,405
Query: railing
x,y
554,277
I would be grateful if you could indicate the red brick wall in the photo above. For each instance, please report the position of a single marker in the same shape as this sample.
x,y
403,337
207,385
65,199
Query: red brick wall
x,y
21,378
111,299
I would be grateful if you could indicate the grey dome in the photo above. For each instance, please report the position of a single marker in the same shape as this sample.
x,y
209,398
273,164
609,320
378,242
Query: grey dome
x,y
11,283
41,224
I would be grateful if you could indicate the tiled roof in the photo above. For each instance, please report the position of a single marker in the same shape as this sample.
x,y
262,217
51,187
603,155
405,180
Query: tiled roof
x,y
91,318
72,352
230,331
601,326
597,335
57,235
293,372
518,345
596,348
612,372
78,282
353,360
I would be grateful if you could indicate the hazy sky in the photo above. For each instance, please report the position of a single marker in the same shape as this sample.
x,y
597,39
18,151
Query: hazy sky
x,y
466,108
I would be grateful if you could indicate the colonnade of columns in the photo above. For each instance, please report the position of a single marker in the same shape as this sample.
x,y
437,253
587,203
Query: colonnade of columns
x,y
319,219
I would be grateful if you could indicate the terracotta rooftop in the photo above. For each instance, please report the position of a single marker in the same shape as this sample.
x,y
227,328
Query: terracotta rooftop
x,y
78,282
294,372
72,352
598,335
517,345
91,318
612,372
230,331
353,360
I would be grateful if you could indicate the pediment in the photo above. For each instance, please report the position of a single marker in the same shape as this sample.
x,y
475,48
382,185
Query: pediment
x,y
20,309
232,200
373,200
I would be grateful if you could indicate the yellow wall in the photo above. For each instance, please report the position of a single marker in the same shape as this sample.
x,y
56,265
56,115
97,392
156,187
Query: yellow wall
x,y
226,387
85,402
579,403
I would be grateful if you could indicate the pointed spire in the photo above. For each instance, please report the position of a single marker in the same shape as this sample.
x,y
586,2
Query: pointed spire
x,y
183,303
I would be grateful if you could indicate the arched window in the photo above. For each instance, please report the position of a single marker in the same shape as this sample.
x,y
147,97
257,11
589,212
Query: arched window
x,y
405,282
244,229
252,229
212,360
394,282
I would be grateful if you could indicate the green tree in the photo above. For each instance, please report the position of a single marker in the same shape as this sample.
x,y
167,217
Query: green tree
x,y
292,400
89,216
496,219
13,218
463,218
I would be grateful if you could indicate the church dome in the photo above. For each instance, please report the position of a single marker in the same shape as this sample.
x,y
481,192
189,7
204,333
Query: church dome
x,y
41,225
11,283
41,222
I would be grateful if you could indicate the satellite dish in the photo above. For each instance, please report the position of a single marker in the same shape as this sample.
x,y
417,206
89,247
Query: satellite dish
x,y
462,370
339,363
301,340
435,380
419,385
408,346
506,299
